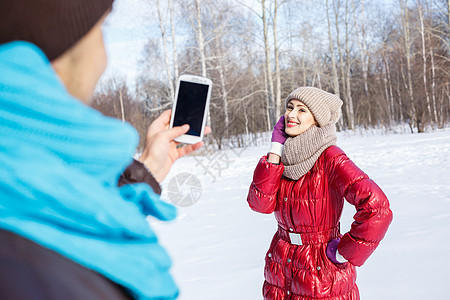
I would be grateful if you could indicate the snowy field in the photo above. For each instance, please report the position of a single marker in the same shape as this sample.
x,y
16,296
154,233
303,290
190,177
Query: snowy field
x,y
218,244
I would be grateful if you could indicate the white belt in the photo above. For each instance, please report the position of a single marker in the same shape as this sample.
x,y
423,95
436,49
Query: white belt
x,y
296,238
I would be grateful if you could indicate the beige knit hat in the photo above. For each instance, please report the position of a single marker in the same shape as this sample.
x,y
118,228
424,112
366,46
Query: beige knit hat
x,y
325,107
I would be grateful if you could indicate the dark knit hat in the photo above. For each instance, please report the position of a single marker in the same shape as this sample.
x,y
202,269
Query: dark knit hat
x,y
53,25
325,107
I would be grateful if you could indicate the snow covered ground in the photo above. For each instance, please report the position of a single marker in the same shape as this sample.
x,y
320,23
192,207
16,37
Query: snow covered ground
x,y
218,244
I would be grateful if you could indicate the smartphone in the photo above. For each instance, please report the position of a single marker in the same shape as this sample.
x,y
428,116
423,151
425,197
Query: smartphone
x,y
190,106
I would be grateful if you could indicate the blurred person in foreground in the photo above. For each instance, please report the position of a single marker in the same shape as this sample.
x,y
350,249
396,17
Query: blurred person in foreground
x,y
73,203
304,180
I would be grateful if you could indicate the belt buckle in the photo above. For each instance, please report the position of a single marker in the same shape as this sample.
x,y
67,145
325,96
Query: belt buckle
x,y
296,238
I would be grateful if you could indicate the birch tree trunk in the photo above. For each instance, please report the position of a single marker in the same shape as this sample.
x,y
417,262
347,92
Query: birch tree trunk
x,y
174,44
224,98
424,59
221,56
333,59
166,56
341,59
121,105
202,52
399,97
317,67
445,111
386,87
363,47
338,41
448,14
364,59
391,93
270,93
305,81
433,73
200,40
268,117
277,64
350,114
246,120
407,50
333,62
433,78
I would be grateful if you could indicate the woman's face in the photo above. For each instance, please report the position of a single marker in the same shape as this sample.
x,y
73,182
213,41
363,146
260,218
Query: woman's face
x,y
298,118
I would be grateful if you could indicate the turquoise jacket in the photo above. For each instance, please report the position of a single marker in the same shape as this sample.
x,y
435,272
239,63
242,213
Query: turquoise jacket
x,y
58,182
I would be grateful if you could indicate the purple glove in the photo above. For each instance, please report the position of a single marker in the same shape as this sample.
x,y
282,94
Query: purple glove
x,y
278,134
332,251
278,137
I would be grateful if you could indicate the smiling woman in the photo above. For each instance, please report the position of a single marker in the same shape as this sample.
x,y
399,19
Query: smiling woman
x,y
304,181
298,118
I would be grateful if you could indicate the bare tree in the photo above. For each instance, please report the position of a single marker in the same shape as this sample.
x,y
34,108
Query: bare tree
x,y
200,40
174,44
348,63
407,54
270,91
166,55
424,58
277,61
333,61
362,47
448,14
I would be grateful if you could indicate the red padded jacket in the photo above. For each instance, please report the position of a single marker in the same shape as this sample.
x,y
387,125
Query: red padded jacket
x,y
312,207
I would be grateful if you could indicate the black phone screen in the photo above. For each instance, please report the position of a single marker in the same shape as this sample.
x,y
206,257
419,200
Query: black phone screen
x,y
190,107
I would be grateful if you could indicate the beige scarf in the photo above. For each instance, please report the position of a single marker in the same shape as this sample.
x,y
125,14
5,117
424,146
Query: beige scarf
x,y
300,153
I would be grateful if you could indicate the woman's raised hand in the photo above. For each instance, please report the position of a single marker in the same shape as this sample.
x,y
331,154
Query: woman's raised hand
x,y
278,134
279,137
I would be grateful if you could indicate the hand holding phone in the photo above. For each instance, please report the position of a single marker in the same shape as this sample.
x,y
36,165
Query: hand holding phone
x,y
161,151
191,105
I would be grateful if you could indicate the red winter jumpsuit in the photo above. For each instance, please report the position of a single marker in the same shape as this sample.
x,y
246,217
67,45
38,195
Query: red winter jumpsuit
x,y
309,210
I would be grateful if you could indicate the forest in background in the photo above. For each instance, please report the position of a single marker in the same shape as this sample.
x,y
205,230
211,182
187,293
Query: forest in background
x,y
388,61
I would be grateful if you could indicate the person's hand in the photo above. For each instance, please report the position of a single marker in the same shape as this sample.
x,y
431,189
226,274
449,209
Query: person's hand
x,y
160,151
279,136
332,252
